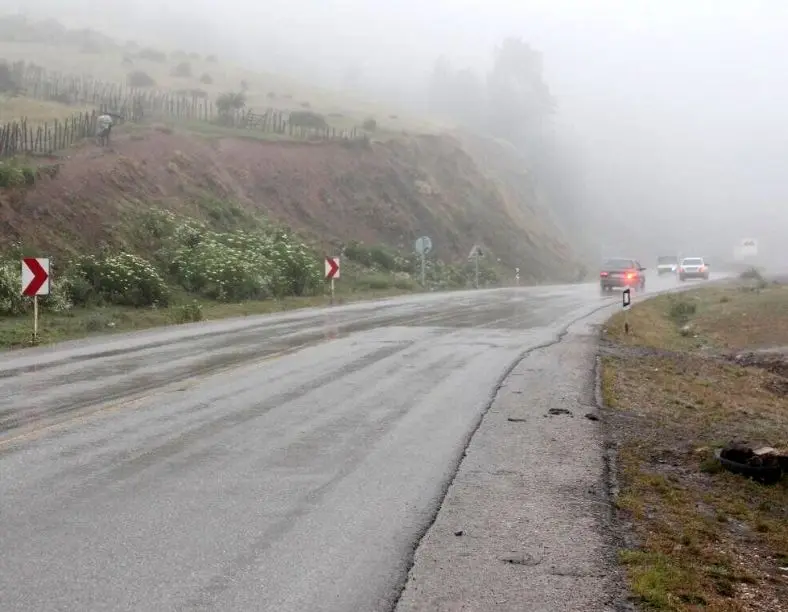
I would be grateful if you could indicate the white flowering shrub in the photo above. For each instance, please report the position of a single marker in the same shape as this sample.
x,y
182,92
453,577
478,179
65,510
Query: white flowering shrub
x,y
157,223
189,233
122,278
227,266
12,302
295,268
221,272
243,265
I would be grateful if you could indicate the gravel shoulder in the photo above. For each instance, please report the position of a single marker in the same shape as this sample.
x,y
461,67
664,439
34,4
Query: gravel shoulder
x,y
525,523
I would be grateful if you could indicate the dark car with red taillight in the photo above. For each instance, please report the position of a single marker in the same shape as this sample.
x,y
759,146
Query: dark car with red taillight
x,y
622,272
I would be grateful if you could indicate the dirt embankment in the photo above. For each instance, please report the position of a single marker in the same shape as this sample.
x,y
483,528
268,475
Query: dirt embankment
x,y
384,192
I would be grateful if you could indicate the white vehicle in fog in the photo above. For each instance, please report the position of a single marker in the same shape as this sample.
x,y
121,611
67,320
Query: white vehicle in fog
x,y
667,264
693,267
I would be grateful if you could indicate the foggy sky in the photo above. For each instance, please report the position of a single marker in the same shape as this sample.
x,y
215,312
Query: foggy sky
x,y
677,109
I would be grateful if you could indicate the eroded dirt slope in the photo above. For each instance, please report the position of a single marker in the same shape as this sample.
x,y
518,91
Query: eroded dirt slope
x,y
380,192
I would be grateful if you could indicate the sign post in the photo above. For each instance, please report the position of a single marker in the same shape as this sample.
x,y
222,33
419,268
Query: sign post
x,y
332,272
626,298
476,252
423,246
35,282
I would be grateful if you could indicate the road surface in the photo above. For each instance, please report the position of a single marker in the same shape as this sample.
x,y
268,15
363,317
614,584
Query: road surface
x,y
284,463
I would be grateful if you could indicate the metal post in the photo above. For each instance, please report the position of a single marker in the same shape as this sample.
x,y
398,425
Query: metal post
x,y
332,291
35,319
422,270
477,268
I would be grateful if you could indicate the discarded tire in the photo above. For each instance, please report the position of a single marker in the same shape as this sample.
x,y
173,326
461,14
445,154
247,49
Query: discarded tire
x,y
765,474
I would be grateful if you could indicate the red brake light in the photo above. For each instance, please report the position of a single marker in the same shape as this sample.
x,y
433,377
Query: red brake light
x,y
630,275
603,274
702,268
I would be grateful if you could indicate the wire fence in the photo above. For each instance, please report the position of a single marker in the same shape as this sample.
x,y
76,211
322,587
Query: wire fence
x,y
130,104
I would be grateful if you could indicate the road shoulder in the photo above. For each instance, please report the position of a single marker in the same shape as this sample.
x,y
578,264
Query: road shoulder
x,y
525,524
697,371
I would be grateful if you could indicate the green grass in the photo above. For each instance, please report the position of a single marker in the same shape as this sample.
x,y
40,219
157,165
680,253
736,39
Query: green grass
x,y
212,130
288,93
728,317
707,539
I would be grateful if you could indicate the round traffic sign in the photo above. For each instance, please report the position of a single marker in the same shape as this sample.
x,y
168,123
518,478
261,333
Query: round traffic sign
x,y
423,245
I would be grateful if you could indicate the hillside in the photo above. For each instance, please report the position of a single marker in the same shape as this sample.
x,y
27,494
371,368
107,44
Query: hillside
x,y
376,192
222,190
75,60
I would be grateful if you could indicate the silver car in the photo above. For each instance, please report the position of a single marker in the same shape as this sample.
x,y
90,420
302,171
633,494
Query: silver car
x,y
693,267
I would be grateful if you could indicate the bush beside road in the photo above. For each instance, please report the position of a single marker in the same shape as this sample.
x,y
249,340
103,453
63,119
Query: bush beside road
x,y
676,389
181,270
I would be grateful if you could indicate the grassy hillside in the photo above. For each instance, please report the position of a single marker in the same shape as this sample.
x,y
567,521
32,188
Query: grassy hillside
x,y
63,53
189,212
332,192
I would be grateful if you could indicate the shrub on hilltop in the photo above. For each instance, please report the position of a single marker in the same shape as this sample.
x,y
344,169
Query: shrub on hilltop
x,y
308,119
230,101
138,78
227,104
183,70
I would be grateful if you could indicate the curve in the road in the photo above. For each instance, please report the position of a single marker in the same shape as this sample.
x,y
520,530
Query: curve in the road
x,y
282,463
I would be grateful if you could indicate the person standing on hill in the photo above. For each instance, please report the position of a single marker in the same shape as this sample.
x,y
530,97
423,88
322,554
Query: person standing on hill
x,y
103,129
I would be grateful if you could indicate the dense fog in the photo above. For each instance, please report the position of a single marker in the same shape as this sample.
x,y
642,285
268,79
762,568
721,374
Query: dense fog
x,y
667,126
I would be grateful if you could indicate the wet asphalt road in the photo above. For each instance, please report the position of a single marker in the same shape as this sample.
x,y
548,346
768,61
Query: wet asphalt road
x,y
283,463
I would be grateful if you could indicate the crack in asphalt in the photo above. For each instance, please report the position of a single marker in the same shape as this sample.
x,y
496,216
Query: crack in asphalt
x,y
558,337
